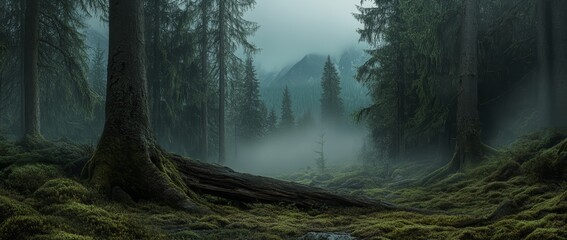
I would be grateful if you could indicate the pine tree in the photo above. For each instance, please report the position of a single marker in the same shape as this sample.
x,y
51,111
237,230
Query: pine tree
x,y
331,102
231,31
321,160
271,122
97,72
287,119
251,120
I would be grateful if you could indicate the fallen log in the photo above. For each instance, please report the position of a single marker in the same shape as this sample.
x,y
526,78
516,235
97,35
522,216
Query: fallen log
x,y
223,182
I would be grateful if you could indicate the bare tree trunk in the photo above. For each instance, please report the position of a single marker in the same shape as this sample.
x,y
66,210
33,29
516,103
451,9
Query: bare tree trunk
x,y
204,56
559,64
127,155
222,79
544,60
31,85
469,147
552,59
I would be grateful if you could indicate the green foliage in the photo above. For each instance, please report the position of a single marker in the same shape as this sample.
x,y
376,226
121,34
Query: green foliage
x,y
28,178
10,207
331,101
287,120
23,227
251,119
61,190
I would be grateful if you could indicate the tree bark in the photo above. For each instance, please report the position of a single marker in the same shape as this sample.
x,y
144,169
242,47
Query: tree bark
x,y
204,57
469,147
224,182
127,155
559,64
552,59
156,70
31,85
222,78
544,55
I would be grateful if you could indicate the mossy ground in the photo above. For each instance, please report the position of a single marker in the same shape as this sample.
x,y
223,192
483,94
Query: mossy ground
x,y
40,201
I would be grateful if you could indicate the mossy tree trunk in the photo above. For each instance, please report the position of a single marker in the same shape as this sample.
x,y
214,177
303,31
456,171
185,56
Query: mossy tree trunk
x,y
127,155
30,76
469,148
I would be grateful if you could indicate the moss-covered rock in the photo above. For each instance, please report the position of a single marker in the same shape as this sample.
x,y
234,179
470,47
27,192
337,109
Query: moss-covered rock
x,y
10,207
27,178
61,190
24,227
60,235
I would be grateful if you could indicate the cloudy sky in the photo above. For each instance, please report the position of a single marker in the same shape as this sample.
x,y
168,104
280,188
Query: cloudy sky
x,y
290,29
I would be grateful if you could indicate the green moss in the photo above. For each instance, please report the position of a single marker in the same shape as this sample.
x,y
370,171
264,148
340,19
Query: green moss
x,y
185,235
10,207
23,227
547,234
28,178
61,190
99,222
60,235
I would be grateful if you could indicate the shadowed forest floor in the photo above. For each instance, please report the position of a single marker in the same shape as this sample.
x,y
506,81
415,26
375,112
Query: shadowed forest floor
x,y
519,194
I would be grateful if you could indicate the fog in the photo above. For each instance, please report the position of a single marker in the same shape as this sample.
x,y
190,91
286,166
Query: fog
x,y
284,153
284,36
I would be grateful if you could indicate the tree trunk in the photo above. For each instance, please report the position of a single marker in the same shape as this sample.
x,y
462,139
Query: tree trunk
x,y
222,78
552,59
559,64
31,85
544,55
156,69
204,56
469,146
224,182
127,155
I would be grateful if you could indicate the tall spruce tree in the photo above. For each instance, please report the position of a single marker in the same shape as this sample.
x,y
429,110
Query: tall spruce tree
x,y
331,101
231,30
271,122
287,119
251,120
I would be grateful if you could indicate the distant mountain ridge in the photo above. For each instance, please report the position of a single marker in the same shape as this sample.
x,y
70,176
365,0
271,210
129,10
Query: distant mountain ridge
x,y
304,81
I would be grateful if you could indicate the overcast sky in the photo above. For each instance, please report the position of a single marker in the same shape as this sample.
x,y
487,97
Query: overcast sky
x,y
290,29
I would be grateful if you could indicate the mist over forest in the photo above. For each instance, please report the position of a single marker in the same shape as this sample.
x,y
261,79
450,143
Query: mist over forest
x,y
296,119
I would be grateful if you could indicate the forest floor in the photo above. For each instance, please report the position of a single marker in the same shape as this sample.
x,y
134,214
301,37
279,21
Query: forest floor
x,y
519,194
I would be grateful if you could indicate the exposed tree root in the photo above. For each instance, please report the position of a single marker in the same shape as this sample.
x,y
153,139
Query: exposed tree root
x,y
454,165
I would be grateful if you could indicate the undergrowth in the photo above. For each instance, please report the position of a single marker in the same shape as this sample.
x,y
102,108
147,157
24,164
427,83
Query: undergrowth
x,y
519,194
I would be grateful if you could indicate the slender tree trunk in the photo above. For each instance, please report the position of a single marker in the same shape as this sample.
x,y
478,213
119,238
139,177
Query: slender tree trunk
x,y
222,79
469,146
31,85
552,59
544,60
127,156
204,56
400,119
22,50
559,64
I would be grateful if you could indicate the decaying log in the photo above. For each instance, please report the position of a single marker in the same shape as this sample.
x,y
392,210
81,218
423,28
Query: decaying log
x,y
224,182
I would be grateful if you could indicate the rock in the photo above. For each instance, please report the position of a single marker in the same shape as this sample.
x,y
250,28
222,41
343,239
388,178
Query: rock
x,y
326,236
